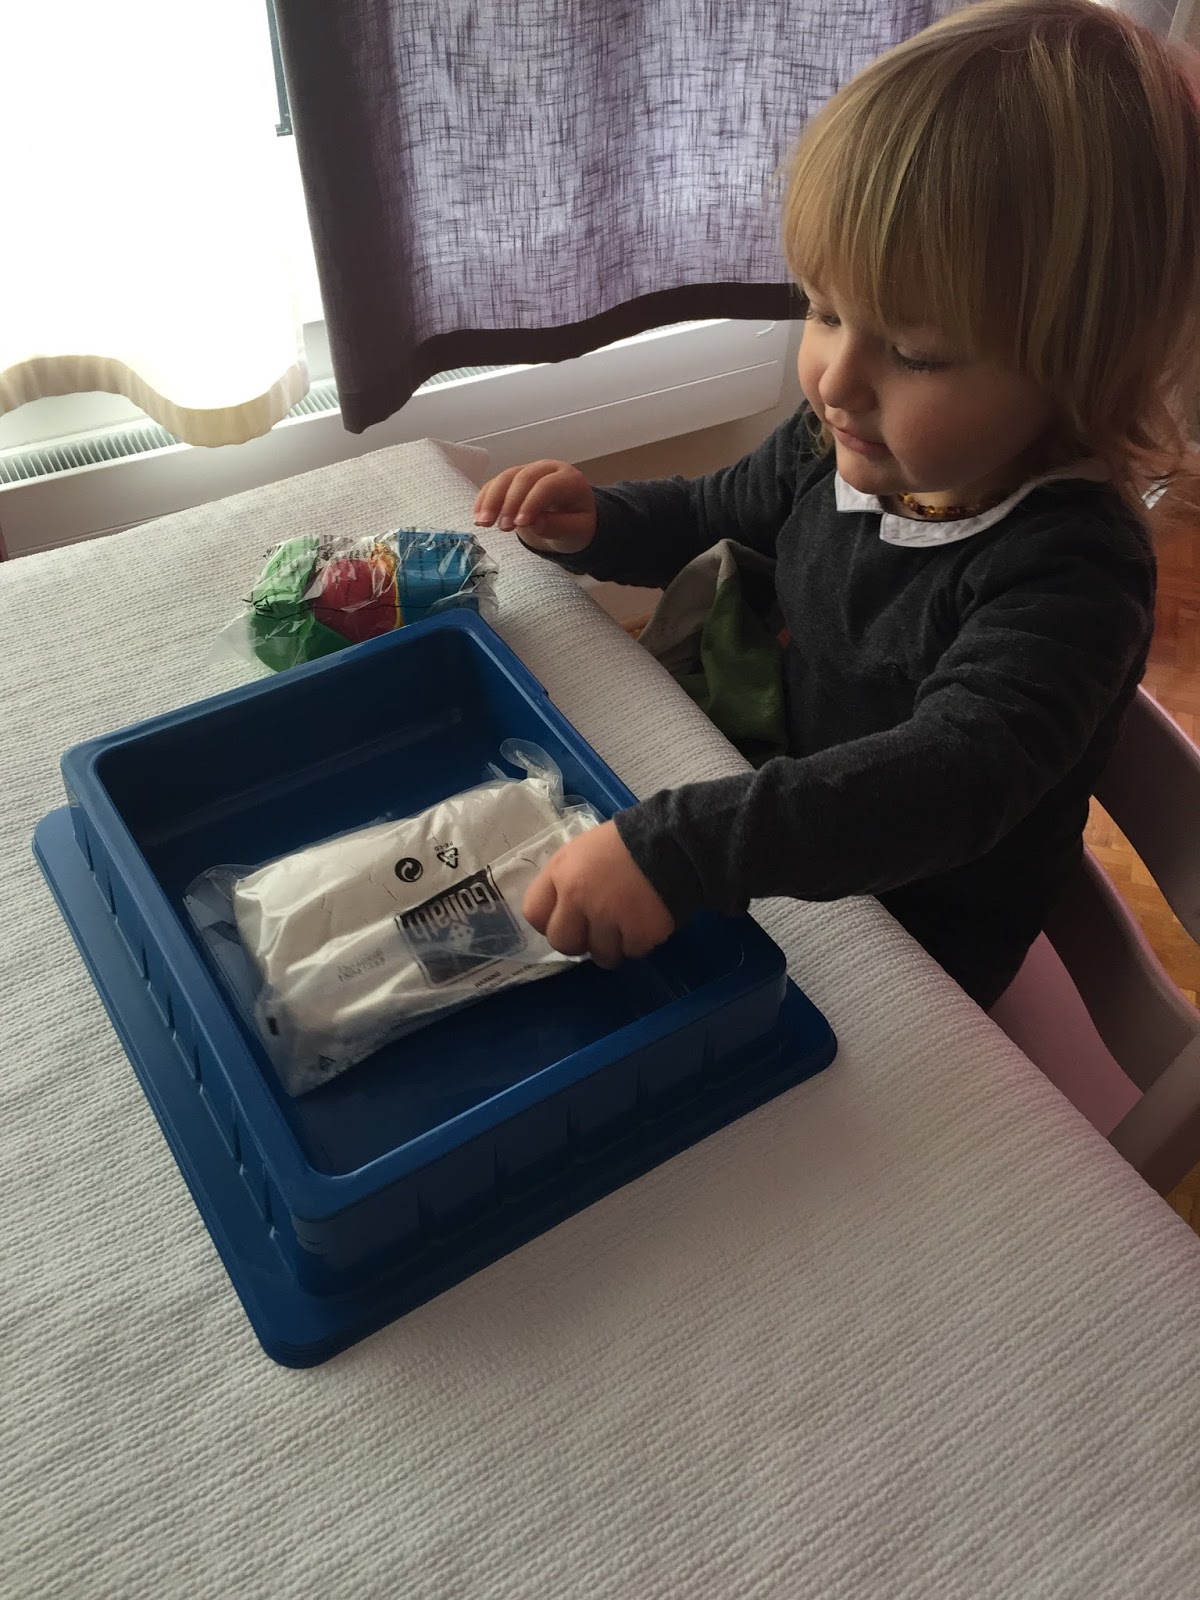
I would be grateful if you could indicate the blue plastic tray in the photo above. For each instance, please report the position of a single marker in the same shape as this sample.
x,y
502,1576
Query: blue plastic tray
x,y
338,1211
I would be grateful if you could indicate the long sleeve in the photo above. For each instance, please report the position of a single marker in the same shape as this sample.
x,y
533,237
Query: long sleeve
x,y
1052,635
646,533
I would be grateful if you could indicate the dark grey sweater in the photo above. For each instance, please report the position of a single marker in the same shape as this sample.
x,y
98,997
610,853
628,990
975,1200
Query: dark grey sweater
x,y
949,708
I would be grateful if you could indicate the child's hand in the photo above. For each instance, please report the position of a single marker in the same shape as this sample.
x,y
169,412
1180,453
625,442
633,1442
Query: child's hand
x,y
592,898
549,503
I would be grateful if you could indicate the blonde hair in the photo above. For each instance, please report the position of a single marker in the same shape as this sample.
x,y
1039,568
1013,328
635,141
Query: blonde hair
x,y
1026,177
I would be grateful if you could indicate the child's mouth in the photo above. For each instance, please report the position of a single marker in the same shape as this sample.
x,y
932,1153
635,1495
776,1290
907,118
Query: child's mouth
x,y
871,448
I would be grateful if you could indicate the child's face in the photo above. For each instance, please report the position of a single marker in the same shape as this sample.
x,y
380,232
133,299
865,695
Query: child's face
x,y
909,414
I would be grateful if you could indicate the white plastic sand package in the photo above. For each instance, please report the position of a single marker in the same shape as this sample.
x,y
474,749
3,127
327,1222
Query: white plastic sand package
x,y
353,942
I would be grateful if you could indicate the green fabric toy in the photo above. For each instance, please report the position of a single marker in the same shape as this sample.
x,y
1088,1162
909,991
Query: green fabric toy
x,y
717,632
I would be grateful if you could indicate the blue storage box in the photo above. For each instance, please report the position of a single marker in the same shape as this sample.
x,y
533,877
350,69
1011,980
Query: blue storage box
x,y
339,1210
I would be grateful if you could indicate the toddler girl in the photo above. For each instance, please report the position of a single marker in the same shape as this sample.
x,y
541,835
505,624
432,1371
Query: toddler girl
x,y
996,231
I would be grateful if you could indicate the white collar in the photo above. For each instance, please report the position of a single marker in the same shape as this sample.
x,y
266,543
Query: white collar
x,y
925,535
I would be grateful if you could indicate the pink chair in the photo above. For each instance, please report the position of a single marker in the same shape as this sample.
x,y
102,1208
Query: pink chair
x,y
1092,1005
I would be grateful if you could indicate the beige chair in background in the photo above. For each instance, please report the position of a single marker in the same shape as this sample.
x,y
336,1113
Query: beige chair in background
x,y
1092,1005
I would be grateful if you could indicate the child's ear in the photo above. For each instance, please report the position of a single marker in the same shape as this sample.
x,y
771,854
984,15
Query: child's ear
x,y
1061,446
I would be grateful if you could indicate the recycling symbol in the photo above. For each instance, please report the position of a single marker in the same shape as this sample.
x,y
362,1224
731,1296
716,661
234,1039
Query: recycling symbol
x,y
447,854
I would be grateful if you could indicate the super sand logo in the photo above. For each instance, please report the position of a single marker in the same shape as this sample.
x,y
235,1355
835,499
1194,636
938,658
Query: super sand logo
x,y
455,906
466,927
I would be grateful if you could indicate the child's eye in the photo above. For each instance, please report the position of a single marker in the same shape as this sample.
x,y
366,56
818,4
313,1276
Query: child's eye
x,y
918,363
825,318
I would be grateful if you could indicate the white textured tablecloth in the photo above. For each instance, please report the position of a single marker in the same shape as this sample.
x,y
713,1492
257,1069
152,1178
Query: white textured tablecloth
x,y
910,1330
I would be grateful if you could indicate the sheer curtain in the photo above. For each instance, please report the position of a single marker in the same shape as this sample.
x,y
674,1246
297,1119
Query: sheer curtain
x,y
142,249
523,180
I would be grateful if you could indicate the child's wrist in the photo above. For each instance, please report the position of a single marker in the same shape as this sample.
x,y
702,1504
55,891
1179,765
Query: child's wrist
x,y
570,559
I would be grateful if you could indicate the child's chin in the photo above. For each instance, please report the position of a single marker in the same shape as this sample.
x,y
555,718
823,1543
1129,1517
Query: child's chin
x,y
868,477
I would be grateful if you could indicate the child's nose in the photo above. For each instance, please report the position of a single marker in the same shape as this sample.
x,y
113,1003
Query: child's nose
x,y
845,384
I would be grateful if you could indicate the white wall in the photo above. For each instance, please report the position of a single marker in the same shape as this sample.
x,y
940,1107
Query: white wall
x,y
692,454
688,455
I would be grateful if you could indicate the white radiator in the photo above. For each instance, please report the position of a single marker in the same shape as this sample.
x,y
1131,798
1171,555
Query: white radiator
x,y
672,381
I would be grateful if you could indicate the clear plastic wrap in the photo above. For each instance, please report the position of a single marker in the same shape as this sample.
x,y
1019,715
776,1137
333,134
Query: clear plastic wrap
x,y
342,948
317,595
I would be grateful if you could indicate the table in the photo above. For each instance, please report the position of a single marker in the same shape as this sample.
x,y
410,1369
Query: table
x,y
911,1330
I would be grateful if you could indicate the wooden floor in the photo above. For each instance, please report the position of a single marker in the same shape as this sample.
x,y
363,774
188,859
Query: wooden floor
x,y
1173,678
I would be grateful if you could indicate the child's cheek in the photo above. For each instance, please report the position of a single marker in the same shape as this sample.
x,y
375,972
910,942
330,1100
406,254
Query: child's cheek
x,y
809,367
925,447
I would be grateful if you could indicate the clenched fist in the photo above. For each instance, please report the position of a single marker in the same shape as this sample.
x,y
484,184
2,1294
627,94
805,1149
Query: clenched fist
x,y
592,898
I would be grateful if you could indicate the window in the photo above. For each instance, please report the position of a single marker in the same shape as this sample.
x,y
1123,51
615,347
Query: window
x,y
283,124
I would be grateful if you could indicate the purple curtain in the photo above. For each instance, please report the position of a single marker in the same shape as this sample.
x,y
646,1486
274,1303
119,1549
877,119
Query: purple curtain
x,y
494,181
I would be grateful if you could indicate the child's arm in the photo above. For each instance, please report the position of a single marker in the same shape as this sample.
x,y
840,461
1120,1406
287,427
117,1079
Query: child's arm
x,y
1048,649
646,533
